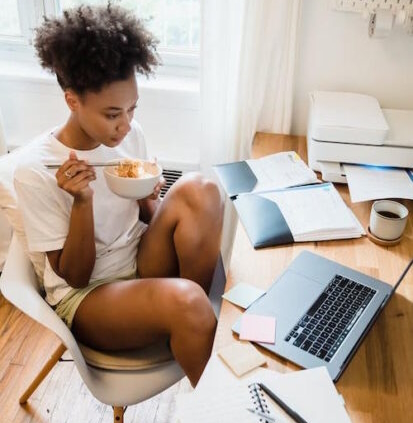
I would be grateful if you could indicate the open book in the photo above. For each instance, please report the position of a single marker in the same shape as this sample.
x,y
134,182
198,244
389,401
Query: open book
x,y
280,170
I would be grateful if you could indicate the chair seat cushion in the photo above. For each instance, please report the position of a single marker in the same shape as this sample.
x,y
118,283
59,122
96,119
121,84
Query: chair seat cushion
x,y
139,359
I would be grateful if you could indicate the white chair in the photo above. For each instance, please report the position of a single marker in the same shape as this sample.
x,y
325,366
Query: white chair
x,y
5,228
120,379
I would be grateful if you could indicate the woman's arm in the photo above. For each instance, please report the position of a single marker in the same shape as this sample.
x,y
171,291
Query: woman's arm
x,y
76,260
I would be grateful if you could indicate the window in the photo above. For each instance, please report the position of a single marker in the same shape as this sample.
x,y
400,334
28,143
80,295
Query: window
x,y
176,23
9,19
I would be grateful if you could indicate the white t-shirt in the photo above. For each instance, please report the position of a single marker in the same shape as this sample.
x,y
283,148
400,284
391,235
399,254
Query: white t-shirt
x,y
46,210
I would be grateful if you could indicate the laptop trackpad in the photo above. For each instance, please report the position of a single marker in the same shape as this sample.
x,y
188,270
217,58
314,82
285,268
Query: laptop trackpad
x,y
288,299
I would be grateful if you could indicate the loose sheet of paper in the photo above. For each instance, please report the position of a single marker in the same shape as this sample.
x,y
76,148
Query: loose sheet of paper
x,y
257,328
281,170
226,404
243,294
316,213
371,182
241,357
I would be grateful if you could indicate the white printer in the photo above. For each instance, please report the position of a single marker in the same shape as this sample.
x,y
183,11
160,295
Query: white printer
x,y
352,128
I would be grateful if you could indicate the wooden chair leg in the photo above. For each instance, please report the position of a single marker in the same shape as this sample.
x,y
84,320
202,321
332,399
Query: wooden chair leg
x,y
118,414
43,373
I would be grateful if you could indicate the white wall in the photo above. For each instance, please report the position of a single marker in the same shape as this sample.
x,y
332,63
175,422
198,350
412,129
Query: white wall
x,y
336,53
168,110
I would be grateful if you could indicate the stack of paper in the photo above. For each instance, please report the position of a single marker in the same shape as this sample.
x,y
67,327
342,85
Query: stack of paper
x,y
372,182
281,170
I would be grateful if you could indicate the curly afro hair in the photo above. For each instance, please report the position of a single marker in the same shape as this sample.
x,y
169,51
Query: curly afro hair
x,y
89,47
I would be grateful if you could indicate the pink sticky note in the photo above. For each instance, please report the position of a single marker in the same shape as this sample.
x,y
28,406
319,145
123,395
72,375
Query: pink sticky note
x,y
257,328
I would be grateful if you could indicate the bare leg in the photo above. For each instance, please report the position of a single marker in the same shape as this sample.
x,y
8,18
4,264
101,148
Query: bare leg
x,y
184,236
131,314
183,239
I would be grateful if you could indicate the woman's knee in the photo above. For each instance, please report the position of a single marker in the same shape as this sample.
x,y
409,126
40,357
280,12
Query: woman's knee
x,y
199,193
192,309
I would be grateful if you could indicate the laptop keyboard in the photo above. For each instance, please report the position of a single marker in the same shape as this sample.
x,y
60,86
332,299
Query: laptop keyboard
x,y
324,327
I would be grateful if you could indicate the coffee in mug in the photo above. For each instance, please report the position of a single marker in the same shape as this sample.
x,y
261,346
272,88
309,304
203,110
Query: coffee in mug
x,y
388,219
390,214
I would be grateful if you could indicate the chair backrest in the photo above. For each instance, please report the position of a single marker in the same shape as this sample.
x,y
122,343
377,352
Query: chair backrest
x,y
5,228
18,284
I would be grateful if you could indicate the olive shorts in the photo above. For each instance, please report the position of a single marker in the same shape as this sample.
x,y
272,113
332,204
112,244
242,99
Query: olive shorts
x,y
68,305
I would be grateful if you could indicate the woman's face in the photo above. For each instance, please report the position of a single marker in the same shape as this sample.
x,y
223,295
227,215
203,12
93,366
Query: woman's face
x,y
104,117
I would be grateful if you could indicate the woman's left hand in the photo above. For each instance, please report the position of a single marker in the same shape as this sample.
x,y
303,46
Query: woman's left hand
x,y
148,205
157,189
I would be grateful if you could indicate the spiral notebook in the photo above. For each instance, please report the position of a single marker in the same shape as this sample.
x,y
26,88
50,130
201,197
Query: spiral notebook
x,y
226,404
259,401
221,397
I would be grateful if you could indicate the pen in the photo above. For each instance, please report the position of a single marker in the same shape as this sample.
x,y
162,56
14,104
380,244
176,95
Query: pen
x,y
282,404
261,414
57,165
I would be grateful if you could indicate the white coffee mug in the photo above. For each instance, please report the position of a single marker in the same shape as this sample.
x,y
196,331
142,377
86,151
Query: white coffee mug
x,y
388,219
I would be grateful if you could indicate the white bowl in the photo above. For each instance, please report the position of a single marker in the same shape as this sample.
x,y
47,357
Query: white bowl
x,y
133,188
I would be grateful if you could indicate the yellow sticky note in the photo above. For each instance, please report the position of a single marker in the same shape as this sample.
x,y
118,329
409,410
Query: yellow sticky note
x,y
241,357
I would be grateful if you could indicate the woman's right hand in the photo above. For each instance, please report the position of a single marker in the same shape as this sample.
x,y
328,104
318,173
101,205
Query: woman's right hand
x,y
74,177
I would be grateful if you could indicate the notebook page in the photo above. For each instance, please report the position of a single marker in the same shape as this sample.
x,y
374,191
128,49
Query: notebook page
x,y
218,387
311,393
281,170
225,404
314,210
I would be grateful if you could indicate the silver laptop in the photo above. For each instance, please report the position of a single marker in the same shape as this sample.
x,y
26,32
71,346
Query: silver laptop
x,y
323,311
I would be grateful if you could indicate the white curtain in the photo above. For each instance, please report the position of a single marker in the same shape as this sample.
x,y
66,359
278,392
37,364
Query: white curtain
x,y
248,50
3,145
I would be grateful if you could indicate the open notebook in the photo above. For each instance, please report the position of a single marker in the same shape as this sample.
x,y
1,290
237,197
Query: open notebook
x,y
221,397
279,170
280,201
299,214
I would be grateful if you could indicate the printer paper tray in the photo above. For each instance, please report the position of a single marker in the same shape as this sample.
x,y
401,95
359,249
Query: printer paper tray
x,y
322,151
333,172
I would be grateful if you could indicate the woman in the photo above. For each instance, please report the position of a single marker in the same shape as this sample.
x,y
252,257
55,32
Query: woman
x,y
121,273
